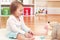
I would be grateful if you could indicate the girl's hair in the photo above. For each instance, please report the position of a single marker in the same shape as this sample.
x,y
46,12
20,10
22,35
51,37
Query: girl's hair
x,y
14,5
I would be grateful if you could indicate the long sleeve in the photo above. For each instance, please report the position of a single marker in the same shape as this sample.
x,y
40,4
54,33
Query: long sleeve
x,y
24,27
14,28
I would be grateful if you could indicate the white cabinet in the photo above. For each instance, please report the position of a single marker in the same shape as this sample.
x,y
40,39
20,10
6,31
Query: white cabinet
x,y
40,4
28,2
6,2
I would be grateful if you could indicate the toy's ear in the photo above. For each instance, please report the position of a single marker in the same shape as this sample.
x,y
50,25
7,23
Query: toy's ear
x,y
53,24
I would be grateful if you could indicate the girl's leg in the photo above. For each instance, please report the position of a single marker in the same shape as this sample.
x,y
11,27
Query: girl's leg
x,y
22,37
19,36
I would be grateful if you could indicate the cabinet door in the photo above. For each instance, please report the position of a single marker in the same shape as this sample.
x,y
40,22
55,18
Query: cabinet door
x,y
28,10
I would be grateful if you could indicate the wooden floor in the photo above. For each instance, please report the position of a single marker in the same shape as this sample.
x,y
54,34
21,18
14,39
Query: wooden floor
x,y
39,21
35,22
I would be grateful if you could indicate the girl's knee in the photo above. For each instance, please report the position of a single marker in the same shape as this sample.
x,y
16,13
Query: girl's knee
x,y
19,36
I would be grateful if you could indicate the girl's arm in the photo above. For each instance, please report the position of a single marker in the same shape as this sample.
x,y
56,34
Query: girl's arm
x,y
24,27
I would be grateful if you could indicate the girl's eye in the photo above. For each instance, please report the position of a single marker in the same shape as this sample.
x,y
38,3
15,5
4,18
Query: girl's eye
x,y
21,10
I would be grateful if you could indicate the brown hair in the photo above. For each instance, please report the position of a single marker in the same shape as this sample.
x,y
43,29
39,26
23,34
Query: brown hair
x,y
14,5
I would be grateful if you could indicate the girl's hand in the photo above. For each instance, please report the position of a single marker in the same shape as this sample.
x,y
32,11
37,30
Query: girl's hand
x,y
28,35
30,32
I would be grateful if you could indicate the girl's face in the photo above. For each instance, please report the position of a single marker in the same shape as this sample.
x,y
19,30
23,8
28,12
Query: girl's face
x,y
19,11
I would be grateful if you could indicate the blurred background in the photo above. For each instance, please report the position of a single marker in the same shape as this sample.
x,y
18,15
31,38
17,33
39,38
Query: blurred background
x,y
36,14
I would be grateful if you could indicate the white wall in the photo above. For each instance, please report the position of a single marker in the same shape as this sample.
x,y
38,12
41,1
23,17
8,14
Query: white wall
x,y
52,10
0,7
